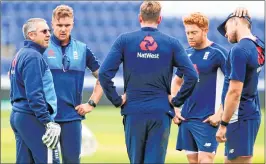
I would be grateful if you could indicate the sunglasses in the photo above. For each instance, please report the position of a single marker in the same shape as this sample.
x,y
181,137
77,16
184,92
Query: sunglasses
x,y
65,63
45,31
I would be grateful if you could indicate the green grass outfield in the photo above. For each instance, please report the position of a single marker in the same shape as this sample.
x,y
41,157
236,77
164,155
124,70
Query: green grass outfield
x,y
106,124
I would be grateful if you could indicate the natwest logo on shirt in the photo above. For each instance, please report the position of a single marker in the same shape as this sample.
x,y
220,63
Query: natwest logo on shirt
x,y
148,55
148,43
51,54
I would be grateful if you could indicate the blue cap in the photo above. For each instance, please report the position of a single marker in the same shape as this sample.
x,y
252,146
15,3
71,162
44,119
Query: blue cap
x,y
221,28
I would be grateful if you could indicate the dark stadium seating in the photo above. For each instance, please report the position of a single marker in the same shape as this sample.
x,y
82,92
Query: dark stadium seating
x,y
97,24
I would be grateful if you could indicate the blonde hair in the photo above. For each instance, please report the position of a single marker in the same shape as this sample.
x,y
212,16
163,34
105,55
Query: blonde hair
x,y
150,11
63,11
30,26
198,19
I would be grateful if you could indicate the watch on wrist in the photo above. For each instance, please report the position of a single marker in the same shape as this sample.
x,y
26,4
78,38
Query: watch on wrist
x,y
224,123
92,103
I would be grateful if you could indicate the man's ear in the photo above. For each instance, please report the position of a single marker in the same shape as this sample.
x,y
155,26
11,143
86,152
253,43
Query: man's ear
x,y
31,35
159,19
140,19
205,31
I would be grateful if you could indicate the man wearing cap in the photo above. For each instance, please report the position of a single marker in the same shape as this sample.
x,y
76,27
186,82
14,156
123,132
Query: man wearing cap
x,y
241,117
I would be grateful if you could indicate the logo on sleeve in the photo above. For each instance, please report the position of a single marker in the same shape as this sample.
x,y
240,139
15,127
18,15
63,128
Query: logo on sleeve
x,y
14,62
148,43
261,56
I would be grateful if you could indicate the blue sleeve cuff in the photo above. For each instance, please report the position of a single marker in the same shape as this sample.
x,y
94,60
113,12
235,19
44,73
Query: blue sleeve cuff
x,y
179,74
176,103
234,77
117,103
46,120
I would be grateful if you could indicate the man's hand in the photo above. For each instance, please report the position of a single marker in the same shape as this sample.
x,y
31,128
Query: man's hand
x,y
52,134
124,99
214,120
220,134
178,118
241,11
83,109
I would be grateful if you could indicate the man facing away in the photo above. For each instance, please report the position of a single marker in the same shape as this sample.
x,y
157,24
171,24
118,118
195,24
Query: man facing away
x,y
241,117
33,98
148,58
68,59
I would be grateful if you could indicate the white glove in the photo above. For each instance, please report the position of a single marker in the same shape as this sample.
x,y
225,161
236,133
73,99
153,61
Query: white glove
x,y
52,134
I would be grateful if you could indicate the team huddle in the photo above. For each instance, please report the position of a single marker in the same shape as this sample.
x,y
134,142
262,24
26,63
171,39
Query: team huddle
x,y
212,96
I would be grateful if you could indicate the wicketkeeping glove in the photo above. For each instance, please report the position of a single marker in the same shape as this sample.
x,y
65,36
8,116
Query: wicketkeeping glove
x,y
52,134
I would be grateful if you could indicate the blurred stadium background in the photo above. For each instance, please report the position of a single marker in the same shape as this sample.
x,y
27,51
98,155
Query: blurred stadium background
x,y
98,24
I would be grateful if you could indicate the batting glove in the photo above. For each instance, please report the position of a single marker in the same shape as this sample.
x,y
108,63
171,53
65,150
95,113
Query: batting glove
x,y
52,134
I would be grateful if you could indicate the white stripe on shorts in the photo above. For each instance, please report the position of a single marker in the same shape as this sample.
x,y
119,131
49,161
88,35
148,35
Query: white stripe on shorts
x,y
190,152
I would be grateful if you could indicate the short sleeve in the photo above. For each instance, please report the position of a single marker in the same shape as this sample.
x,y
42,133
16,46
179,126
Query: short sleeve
x,y
91,61
238,60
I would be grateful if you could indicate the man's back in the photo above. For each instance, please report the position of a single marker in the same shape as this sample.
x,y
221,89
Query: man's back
x,y
148,58
242,65
148,69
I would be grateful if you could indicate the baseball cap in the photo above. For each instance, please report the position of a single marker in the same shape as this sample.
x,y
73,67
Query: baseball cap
x,y
221,28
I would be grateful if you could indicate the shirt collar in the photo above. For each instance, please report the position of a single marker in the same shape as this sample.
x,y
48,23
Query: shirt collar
x,y
36,46
57,41
149,29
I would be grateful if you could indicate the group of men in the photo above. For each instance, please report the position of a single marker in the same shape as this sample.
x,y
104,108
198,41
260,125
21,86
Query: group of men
x,y
47,77
218,90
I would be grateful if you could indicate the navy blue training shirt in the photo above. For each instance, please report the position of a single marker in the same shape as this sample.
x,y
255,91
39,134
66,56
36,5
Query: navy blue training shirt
x,y
206,98
148,58
32,88
244,64
68,74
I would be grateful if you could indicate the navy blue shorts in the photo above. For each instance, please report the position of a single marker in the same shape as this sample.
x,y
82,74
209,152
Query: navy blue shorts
x,y
194,135
147,137
241,137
